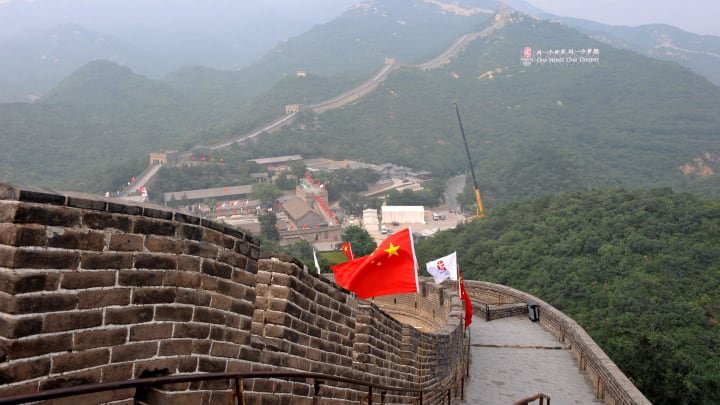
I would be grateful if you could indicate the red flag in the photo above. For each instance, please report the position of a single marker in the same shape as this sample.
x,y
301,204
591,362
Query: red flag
x,y
389,269
468,303
348,250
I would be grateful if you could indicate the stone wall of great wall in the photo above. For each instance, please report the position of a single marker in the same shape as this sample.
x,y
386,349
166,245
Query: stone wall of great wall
x,y
611,384
93,290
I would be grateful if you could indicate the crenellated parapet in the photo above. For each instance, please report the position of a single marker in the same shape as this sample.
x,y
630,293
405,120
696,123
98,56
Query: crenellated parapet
x,y
95,290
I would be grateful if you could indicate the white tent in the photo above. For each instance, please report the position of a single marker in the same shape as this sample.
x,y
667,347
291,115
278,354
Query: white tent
x,y
403,214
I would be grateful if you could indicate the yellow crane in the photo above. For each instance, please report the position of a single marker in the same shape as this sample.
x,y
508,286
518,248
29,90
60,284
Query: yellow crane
x,y
479,213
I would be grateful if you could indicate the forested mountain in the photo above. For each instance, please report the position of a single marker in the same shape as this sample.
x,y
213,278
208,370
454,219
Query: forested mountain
x,y
639,270
627,121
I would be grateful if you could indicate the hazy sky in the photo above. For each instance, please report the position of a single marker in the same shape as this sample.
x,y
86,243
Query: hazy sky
x,y
697,16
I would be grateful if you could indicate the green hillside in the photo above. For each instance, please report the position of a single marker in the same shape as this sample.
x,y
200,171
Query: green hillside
x,y
629,121
639,270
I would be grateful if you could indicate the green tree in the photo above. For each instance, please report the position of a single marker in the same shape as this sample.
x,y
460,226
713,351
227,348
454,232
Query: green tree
x,y
361,241
266,193
268,226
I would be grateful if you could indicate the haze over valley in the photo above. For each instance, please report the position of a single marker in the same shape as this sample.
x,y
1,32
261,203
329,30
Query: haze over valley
x,y
596,147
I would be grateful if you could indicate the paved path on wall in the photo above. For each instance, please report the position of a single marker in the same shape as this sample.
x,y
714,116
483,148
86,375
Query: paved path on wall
x,y
514,358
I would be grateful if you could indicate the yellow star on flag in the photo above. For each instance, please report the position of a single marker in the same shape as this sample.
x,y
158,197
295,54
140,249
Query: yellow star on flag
x,y
392,250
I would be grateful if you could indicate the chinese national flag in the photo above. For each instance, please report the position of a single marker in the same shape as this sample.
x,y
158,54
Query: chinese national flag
x,y
348,250
389,269
468,303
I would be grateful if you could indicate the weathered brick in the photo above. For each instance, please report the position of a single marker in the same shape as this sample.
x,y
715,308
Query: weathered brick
x,y
127,209
244,277
42,196
65,321
189,263
233,258
176,347
236,290
151,332
183,279
140,278
86,201
22,235
103,220
69,239
72,379
213,268
222,349
235,233
242,247
148,226
145,296
156,367
103,298
157,213
126,243
23,370
24,388
38,259
212,224
161,244
13,328
117,372
23,281
200,249
187,364
67,362
128,315
155,261
211,365
191,330
187,219
219,239
37,346
134,351
106,260
209,315
42,302
84,340
243,307
190,232
75,280
192,297
173,313
250,354
47,215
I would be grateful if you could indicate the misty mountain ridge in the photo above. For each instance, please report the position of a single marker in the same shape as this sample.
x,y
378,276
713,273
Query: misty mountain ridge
x,y
42,59
639,104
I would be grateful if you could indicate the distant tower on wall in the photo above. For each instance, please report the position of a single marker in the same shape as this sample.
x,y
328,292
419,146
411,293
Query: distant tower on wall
x,y
168,158
390,61
300,73
292,108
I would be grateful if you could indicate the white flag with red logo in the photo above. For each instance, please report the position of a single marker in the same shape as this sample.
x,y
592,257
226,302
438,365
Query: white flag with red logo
x,y
443,268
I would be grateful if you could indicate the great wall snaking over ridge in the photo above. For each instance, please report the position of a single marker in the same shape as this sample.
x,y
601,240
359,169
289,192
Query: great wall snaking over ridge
x,y
95,291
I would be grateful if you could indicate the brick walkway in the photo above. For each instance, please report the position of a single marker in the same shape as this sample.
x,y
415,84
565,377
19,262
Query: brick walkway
x,y
514,358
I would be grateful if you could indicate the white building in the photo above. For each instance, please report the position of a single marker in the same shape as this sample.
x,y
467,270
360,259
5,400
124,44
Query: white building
x,y
408,214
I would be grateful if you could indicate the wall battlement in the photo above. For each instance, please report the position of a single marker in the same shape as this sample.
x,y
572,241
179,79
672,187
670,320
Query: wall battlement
x,y
94,290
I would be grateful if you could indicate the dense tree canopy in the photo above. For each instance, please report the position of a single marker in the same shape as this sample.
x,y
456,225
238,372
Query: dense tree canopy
x,y
639,270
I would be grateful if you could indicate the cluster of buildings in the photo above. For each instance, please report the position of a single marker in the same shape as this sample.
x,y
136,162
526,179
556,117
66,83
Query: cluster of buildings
x,y
304,213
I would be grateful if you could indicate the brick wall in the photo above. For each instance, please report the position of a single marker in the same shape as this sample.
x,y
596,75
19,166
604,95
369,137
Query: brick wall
x,y
95,290
610,383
